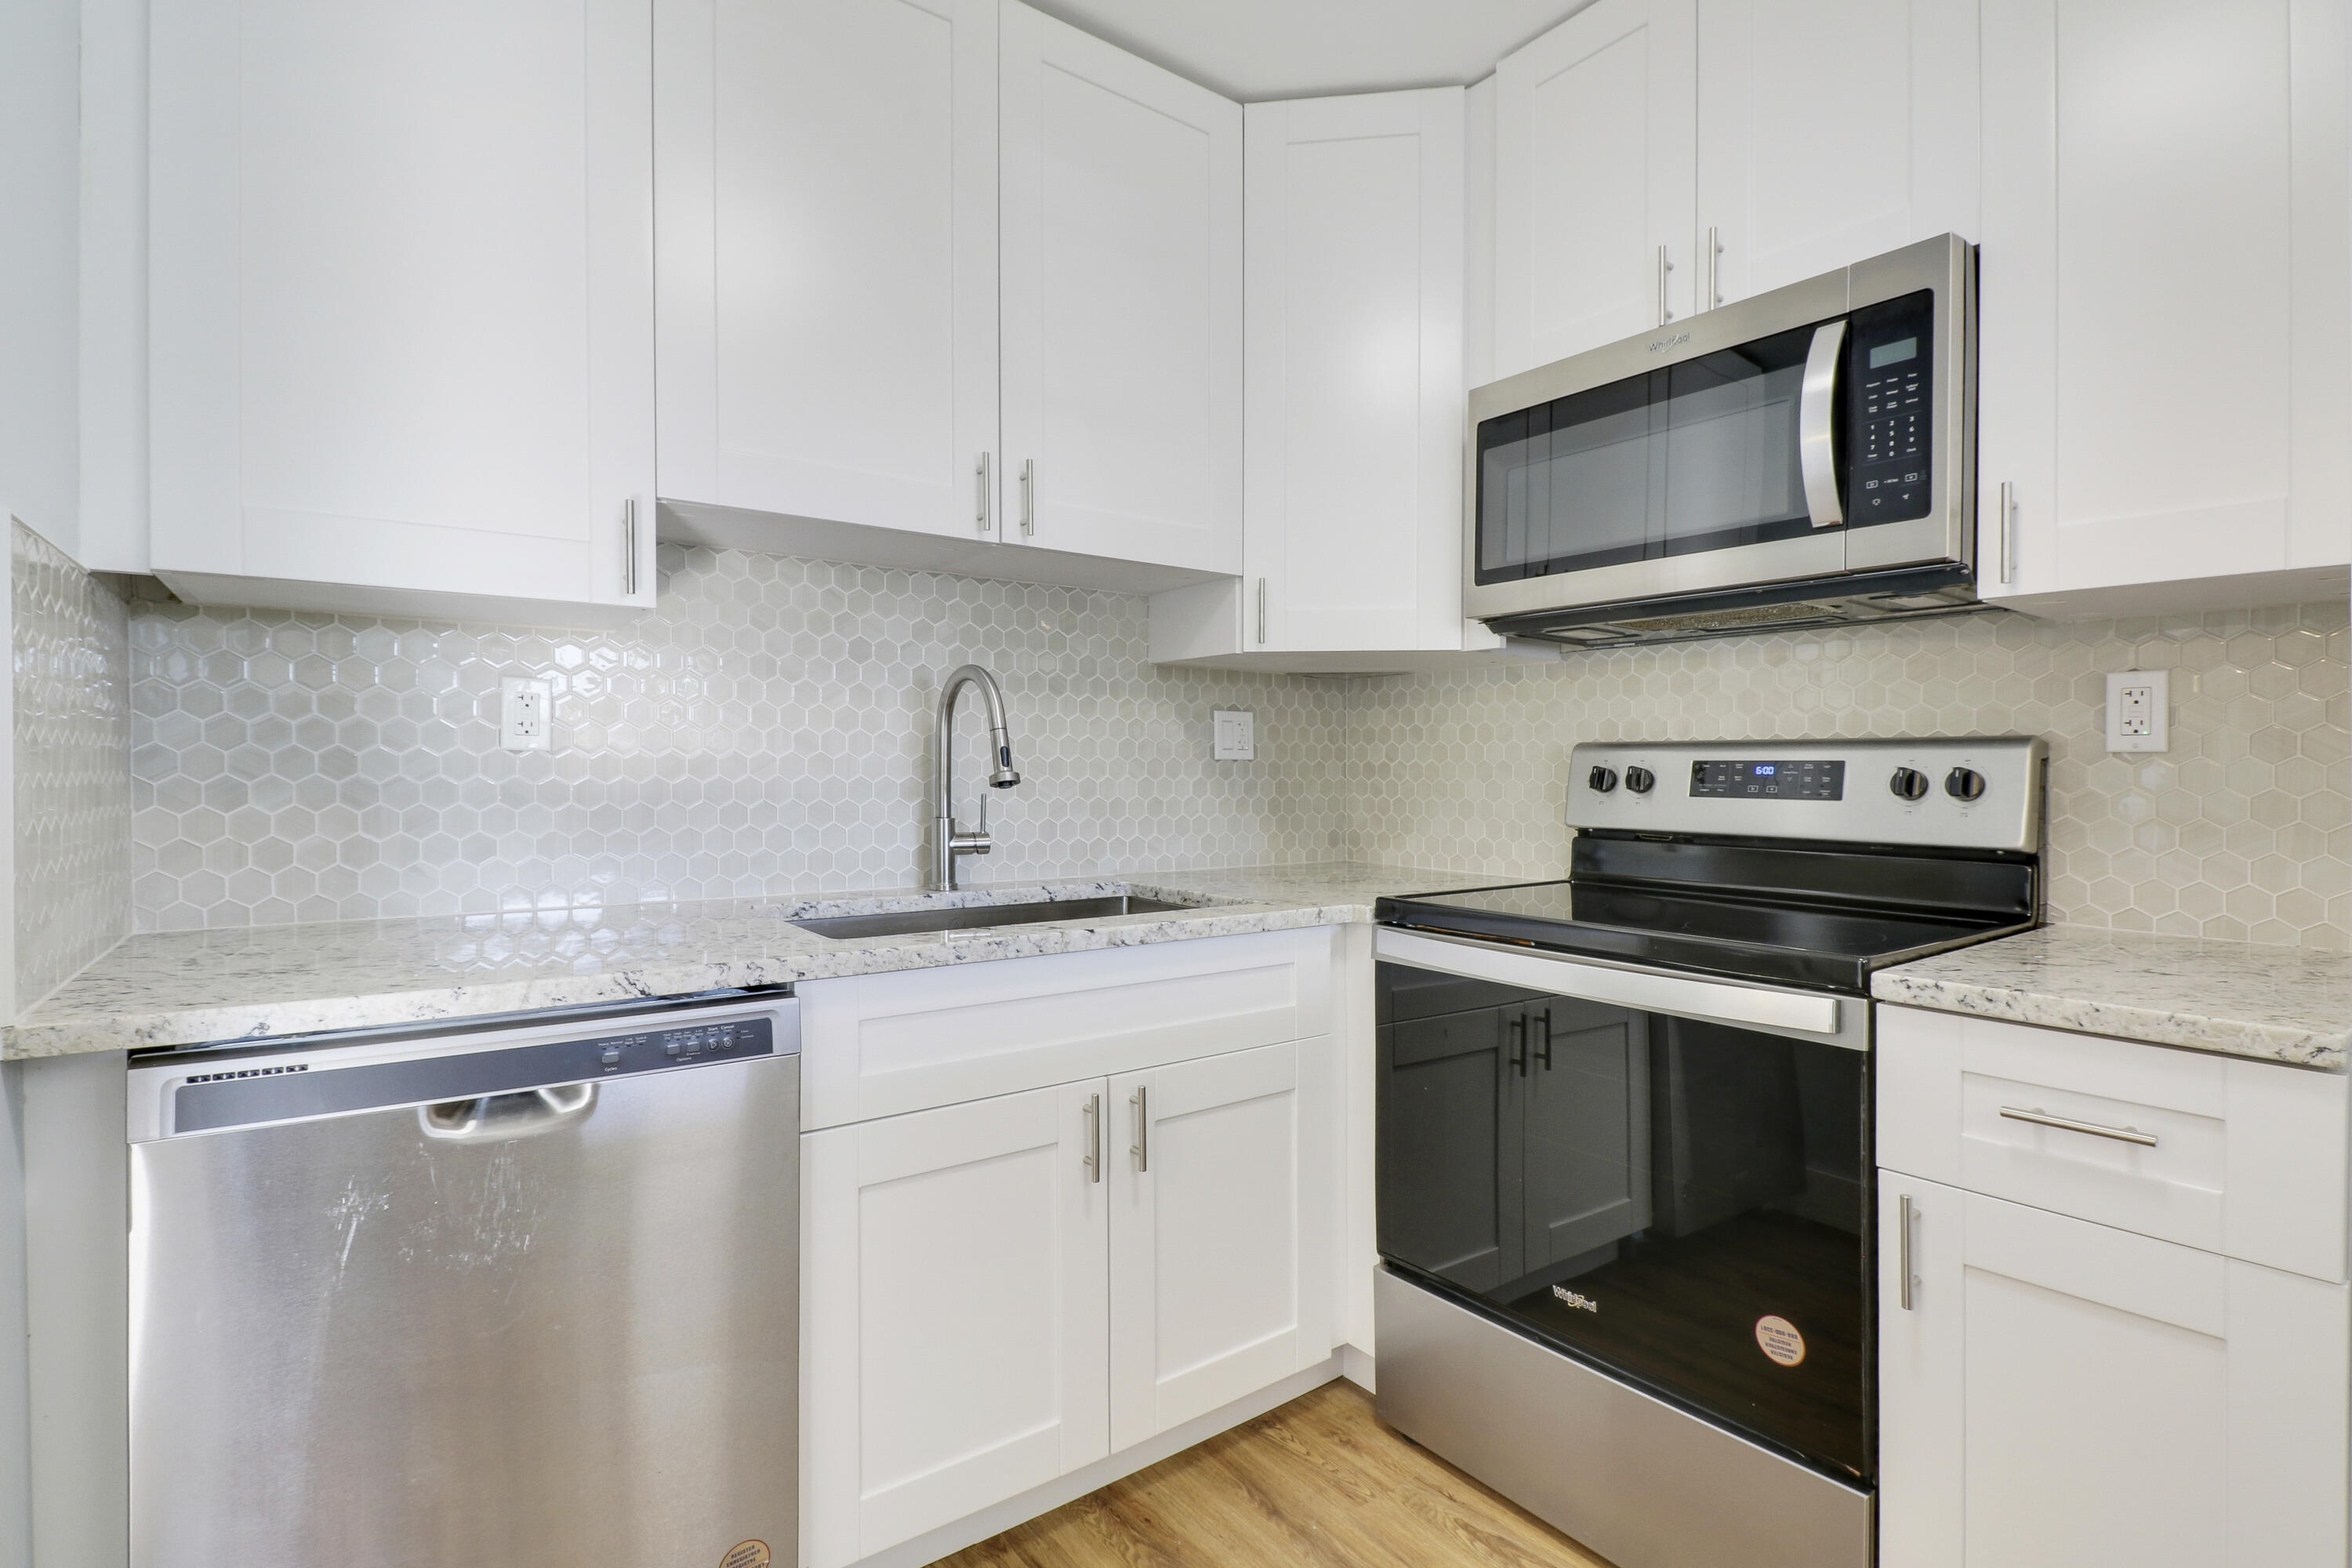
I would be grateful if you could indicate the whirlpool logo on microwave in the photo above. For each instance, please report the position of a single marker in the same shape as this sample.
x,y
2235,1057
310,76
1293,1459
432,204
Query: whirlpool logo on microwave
x,y
1660,345
1582,1303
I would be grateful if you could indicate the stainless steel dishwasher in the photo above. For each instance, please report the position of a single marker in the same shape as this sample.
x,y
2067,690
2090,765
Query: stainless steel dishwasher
x,y
523,1294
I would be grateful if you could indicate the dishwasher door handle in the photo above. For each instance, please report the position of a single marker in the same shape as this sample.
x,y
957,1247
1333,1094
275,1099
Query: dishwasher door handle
x,y
495,1118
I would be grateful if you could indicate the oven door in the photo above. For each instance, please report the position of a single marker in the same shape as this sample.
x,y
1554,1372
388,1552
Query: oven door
x,y
1820,429
1677,1197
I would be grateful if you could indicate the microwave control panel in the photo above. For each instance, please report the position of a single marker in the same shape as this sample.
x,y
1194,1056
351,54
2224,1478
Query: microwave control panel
x,y
1890,351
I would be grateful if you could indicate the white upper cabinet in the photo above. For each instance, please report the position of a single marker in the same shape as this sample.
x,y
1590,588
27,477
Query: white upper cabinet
x,y
1594,201
827,228
1352,406
400,308
1829,131
2166,310
1122,303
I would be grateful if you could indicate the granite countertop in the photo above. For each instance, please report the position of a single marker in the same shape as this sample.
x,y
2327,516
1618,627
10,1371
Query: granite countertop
x,y
2280,1003
179,988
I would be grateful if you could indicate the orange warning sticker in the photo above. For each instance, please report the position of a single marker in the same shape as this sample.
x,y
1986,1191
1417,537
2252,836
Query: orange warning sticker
x,y
1778,1338
749,1554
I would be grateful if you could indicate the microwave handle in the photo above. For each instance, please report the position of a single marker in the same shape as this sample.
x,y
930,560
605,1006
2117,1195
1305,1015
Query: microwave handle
x,y
1817,423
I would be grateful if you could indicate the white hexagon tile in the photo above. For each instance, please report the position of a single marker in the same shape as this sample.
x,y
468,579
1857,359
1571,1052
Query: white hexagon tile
x,y
2240,831
765,730
72,727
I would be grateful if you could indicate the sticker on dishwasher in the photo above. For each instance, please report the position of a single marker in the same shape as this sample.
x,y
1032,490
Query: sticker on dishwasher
x,y
1778,1338
749,1554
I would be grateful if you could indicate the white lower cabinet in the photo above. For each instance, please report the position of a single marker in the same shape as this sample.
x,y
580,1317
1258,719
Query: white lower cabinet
x,y
953,1275
2057,1394
999,1291
1222,1205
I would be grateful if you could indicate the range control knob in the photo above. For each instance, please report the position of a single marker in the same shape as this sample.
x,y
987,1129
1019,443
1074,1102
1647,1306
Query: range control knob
x,y
1639,780
1908,782
1964,783
1600,780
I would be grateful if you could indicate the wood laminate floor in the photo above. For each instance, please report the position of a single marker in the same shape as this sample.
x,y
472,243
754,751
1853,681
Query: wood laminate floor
x,y
1318,1483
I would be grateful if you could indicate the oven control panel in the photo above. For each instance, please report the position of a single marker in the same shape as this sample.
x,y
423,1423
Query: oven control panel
x,y
1778,780
1968,793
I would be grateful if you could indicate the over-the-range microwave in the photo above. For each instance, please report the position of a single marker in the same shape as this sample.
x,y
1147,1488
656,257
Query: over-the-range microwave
x,y
1805,458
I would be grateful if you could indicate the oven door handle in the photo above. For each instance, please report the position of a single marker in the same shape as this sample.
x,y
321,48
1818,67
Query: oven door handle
x,y
1714,1001
1817,424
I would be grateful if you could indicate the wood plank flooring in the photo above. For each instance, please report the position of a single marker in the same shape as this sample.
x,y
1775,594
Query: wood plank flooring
x,y
1318,1483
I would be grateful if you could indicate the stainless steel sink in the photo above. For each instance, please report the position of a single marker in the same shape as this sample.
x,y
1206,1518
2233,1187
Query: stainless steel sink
x,y
905,922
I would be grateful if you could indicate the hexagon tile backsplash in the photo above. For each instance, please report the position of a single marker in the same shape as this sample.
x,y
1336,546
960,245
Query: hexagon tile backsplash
x,y
72,731
2239,831
766,729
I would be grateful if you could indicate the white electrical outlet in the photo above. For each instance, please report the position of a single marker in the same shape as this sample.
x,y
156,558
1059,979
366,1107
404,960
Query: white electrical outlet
x,y
2138,710
1235,739
526,714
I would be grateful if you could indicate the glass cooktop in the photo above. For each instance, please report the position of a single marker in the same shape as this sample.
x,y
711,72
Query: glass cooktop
x,y
1795,942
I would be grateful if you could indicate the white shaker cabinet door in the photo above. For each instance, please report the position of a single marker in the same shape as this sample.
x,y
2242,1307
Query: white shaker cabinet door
x,y
1595,150
827,239
1122,303
1829,131
2054,1393
1352,495
401,305
2166,305
953,1318
1223,1202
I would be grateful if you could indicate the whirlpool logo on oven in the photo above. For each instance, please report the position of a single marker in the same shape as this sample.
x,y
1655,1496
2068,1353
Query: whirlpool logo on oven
x,y
1582,1303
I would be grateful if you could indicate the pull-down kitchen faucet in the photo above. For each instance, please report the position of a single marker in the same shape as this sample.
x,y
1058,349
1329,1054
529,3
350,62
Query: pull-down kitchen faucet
x,y
948,840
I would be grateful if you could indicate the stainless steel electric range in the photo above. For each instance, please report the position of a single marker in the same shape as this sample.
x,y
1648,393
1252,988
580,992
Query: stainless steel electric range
x,y
1624,1135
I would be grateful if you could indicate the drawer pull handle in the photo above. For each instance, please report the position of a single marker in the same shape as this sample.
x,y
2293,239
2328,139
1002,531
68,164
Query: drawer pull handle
x,y
1094,1161
2042,1117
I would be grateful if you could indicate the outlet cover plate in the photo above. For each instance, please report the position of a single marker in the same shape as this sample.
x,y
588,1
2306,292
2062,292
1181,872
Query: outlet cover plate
x,y
1235,739
526,714
2139,710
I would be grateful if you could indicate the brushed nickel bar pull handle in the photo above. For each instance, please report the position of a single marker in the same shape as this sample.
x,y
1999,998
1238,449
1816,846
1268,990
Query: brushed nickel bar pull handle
x,y
1905,1217
984,491
2008,533
629,548
1093,1161
1028,495
1141,1147
1664,266
2041,1118
1713,280
1261,609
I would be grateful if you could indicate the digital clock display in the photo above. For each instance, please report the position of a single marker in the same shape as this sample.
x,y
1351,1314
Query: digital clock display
x,y
1768,781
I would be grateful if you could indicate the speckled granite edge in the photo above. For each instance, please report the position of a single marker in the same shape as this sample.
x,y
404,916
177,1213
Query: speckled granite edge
x,y
2289,1004
207,987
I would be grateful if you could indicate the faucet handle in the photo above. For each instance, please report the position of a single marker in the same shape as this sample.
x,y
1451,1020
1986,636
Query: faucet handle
x,y
981,831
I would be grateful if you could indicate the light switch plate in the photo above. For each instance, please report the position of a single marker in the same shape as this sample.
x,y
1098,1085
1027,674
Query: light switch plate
x,y
2139,708
526,714
1235,738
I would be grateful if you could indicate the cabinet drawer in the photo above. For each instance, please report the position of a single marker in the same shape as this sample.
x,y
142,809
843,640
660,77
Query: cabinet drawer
x,y
2243,1158
878,1045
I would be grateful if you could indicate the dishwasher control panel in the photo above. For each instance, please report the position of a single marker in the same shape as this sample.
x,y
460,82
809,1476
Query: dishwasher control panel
x,y
196,1094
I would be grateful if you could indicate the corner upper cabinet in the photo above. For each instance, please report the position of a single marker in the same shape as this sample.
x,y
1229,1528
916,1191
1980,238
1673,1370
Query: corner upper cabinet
x,y
2166,359
401,307
828,294
1122,303
1829,131
1351,499
1594,175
